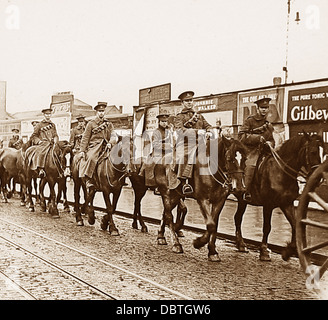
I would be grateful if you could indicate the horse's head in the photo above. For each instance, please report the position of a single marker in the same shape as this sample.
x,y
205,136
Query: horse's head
x,y
120,153
309,154
235,157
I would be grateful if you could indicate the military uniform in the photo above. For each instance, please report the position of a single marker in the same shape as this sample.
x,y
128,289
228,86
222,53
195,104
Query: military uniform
x,y
12,142
97,132
187,122
42,139
162,144
255,130
162,141
76,135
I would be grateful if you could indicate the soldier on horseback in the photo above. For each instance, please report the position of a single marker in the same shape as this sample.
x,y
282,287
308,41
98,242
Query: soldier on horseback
x,y
43,137
14,141
76,133
186,122
255,130
99,134
162,144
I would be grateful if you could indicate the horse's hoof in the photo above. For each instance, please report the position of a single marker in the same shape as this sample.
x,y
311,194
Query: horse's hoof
x,y
22,203
241,247
31,209
103,224
161,241
214,258
55,216
144,229
135,225
265,256
180,234
177,248
114,233
80,223
92,220
197,243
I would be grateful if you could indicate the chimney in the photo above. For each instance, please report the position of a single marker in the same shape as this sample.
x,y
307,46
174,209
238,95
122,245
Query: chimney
x,y
277,81
3,113
121,109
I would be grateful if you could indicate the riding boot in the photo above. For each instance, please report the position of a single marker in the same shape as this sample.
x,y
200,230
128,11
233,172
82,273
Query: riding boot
x,y
249,173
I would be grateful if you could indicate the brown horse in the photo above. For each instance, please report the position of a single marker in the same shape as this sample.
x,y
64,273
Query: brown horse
x,y
109,176
54,167
275,185
139,187
11,167
214,177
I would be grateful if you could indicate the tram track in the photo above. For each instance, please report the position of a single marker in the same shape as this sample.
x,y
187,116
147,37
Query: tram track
x,y
139,286
317,258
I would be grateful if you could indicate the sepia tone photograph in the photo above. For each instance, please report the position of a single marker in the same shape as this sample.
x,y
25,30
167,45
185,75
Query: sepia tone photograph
x,y
163,155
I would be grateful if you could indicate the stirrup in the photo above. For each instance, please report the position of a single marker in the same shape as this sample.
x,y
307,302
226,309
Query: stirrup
x,y
42,173
247,197
187,189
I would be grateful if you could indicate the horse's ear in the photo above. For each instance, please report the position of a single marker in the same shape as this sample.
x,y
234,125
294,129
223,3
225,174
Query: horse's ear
x,y
306,135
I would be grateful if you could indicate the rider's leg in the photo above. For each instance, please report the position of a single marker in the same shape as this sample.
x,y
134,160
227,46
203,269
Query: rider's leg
x,y
249,173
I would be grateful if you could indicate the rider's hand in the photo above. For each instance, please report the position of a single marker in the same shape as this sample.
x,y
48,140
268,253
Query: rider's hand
x,y
208,135
262,139
81,155
109,145
269,143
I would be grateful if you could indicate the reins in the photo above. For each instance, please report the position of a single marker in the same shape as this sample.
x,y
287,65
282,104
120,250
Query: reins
x,y
282,164
110,162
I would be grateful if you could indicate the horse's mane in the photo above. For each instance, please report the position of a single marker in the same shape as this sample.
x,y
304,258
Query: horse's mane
x,y
294,144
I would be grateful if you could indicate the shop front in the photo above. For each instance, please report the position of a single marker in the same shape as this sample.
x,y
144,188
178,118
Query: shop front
x,y
308,111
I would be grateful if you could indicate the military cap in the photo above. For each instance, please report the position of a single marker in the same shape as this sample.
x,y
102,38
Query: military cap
x,y
46,110
186,95
34,122
80,117
100,107
263,103
15,130
163,116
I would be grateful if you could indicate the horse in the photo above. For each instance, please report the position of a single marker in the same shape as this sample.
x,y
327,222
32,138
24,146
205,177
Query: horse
x,y
275,185
10,168
109,175
214,178
61,180
54,168
139,187
78,184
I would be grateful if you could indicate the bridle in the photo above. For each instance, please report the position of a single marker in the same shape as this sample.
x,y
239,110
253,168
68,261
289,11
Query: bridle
x,y
288,170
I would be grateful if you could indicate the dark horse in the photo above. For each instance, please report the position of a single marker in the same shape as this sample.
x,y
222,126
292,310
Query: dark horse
x,y
214,177
109,175
11,167
275,185
55,163
139,187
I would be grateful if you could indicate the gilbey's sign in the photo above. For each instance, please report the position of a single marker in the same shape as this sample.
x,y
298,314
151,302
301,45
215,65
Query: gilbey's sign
x,y
308,105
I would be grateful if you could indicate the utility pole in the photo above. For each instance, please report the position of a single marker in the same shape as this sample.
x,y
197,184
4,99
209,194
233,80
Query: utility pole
x,y
285,69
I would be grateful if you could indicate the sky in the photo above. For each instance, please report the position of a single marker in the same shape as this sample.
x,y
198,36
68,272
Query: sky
x,y
107,50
